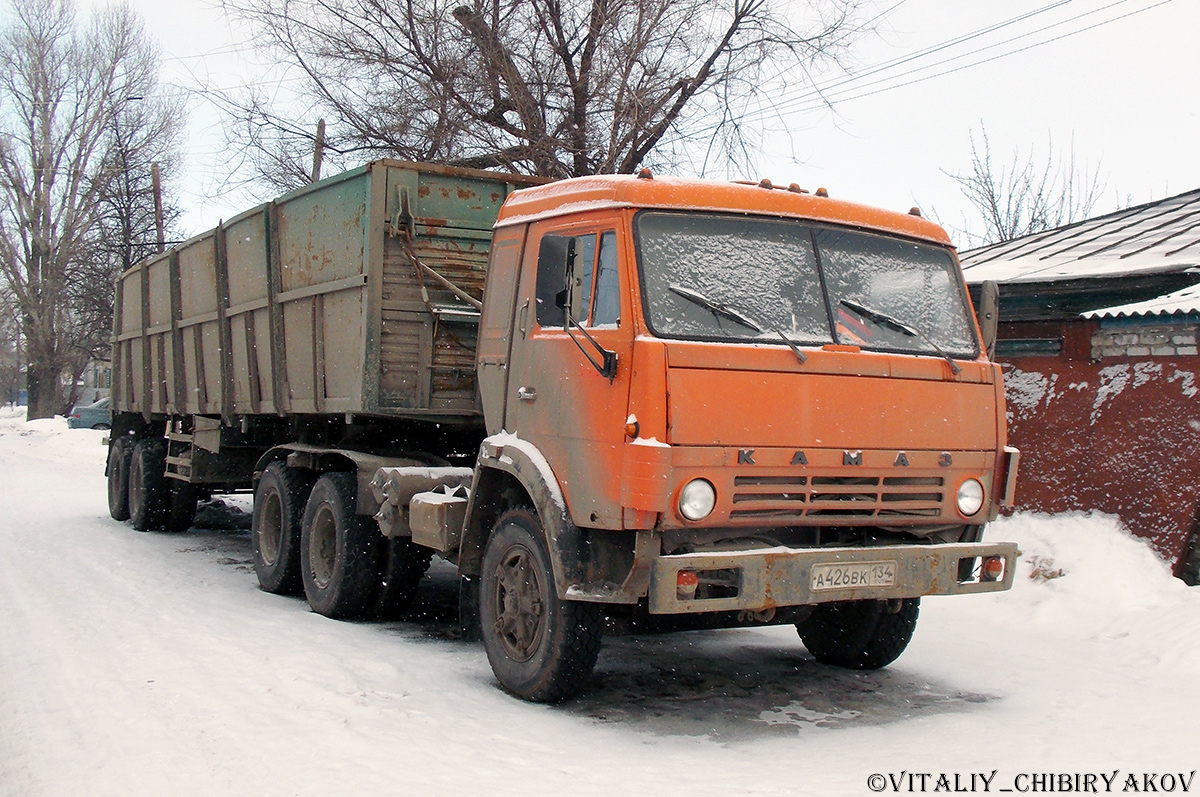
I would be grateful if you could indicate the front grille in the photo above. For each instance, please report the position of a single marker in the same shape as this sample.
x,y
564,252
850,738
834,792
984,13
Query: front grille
x,y
796,497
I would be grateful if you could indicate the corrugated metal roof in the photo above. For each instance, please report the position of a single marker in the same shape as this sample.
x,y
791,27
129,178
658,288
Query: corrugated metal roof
x,y
1158,237
1181,302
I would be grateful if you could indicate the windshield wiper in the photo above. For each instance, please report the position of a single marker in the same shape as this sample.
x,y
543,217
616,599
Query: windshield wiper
x,y
718,309
882,318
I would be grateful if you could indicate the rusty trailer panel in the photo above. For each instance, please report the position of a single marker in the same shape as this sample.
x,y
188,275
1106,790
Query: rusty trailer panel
x,y
352,295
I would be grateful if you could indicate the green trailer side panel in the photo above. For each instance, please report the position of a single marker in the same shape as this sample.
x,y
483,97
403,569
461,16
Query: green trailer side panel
x,y
320,302
248,313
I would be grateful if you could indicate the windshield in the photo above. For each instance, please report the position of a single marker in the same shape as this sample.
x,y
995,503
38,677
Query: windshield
x,y
705,275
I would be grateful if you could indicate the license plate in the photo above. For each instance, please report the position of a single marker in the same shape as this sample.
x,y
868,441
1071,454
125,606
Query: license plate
x,y
853,575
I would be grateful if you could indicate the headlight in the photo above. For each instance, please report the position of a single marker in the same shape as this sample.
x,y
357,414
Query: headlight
x,y
970,497
697,499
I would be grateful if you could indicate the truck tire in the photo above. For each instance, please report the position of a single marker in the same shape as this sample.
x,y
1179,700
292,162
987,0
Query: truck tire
x,y
339,550
859,635
402,565
181,506
541,648
275,530
119,454
148,491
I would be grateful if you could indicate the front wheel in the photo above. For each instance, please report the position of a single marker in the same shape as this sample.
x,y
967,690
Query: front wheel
x,y
860,635
541,648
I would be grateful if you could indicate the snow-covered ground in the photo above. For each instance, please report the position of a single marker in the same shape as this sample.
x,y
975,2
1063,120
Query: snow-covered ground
x,y
139,664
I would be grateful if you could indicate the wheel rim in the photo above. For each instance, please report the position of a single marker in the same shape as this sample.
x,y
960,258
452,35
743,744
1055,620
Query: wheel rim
x,y
322,546
270,529
520,604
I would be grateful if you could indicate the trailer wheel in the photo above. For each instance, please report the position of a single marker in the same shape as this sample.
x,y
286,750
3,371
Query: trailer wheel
x,y
148,491
339,550
859,635
541,648
181,506
119,454
275,533
402,565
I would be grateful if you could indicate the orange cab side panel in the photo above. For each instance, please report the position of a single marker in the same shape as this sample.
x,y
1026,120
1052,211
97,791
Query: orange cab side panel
x,y
496,324
557,400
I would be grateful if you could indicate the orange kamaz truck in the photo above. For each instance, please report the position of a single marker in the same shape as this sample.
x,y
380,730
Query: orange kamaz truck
x,y
612,402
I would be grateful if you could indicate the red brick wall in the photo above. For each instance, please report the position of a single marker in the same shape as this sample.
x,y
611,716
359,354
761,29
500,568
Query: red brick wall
x,y
1120,435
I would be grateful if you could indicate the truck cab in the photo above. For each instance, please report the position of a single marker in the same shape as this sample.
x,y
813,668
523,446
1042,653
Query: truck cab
x,y
736,400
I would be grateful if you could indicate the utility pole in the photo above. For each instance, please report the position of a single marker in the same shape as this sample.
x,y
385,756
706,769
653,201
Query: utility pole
x,y
158,207
318,150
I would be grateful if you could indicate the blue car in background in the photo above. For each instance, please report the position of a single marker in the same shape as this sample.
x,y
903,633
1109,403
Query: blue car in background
x,y
91,416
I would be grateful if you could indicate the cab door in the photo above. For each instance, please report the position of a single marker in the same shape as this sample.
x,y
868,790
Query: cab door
x,y
575,314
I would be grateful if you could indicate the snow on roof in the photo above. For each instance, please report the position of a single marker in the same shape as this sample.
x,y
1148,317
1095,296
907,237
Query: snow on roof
x,y
1158,237
1181,302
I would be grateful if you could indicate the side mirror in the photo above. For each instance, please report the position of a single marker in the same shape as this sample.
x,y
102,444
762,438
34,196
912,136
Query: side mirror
x,y
989,315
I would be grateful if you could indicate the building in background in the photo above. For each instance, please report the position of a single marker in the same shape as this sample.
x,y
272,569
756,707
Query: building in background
x,y
1098,338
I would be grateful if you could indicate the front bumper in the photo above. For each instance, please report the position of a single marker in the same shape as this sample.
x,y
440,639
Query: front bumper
x,y
774,577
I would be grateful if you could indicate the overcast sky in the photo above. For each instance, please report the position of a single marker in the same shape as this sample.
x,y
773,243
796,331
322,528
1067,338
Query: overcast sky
x,y
1121,94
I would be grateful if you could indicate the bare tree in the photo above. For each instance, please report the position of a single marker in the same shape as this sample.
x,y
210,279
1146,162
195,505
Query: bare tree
x,y
141,133
62,91
10,352
557,88
1028,195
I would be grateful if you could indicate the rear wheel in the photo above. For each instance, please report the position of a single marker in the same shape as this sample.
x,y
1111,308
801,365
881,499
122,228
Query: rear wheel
x,y
148,492
860,635
402,565
339,550
119,453
541,648
275,533
181,506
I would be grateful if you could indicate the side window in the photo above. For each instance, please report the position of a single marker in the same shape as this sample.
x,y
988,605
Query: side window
x,y
591,293
551,279
608,296
581,265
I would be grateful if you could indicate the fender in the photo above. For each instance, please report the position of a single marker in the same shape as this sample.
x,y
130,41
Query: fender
x,y
506,457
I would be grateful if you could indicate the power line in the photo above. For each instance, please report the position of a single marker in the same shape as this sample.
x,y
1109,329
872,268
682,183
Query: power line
x,y
851,88
904,59
989,59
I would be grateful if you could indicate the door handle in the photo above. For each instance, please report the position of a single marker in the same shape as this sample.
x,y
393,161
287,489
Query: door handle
x,y
527,393
524,312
